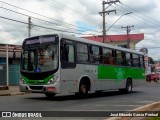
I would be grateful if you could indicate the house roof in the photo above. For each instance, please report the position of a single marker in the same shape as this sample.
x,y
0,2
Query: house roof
x,y
11,50
117,38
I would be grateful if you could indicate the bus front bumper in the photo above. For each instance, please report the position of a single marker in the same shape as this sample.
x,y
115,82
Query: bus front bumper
x,y
39,88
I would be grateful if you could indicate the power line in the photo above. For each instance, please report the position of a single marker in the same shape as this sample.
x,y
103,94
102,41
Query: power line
x,y
79,13
142,14
39,14
139,18
47,21
41,26
147,21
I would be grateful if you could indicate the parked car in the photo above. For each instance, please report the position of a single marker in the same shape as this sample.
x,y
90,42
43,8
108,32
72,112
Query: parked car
x,y
152,77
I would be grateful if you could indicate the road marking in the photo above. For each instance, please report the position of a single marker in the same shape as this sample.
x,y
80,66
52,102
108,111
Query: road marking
x,y
118,105
108,105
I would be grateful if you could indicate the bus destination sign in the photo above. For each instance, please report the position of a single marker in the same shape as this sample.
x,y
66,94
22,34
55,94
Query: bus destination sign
x,y
40,40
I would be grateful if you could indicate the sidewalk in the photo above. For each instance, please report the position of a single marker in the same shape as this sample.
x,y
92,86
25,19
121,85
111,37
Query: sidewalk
x,y
10,90
153,107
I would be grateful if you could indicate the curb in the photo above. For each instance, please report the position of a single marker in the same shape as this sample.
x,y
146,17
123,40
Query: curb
x,y
6,94
17,93
12,94
4,88
148,107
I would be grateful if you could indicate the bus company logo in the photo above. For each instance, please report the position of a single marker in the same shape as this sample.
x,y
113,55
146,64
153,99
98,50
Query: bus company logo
x,y
6,114
119,74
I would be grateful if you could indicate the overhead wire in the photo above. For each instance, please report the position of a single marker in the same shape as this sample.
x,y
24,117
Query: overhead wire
x,y
140,15
41,26
84,16
48,21
40,15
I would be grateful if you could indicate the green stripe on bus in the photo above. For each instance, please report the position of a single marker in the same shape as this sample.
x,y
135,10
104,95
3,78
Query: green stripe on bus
x,y
119,73
37,82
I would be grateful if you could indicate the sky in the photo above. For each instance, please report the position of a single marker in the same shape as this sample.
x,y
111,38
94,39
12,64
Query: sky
x,y
80,18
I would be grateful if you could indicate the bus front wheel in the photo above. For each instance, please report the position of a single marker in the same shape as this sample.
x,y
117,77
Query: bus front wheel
x,y
83,90
50,95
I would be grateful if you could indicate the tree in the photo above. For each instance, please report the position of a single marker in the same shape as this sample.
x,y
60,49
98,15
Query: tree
x,y
151,61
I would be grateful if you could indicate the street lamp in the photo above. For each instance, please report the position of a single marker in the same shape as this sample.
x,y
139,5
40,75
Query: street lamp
x,y
117,20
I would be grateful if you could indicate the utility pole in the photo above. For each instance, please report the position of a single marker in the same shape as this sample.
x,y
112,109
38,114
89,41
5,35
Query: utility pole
x,y
128,31
7,68
103,14
29,26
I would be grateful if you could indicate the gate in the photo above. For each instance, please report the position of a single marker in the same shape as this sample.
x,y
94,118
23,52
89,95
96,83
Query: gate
x,y
14,74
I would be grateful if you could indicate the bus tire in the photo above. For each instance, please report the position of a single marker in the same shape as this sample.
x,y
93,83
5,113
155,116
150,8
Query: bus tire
x,y
128,88
129,85
50,95
84,87
83,91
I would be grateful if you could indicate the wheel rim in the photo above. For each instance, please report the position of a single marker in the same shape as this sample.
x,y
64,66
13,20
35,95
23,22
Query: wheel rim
x,y
129,88
83,89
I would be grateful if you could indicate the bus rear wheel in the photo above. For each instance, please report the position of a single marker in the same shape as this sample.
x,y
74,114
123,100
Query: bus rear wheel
x,y
50,95
128,88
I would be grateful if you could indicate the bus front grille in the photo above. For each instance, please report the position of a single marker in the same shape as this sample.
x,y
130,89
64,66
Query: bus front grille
x,y
36,87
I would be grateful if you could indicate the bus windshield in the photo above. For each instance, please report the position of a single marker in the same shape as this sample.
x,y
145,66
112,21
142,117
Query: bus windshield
x,y
40,58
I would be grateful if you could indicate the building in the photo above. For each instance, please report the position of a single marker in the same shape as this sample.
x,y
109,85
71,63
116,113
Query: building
x,y
13,52
119,40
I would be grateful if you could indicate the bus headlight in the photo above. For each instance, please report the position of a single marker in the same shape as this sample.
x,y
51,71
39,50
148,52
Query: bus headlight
x,y
53,80
22,81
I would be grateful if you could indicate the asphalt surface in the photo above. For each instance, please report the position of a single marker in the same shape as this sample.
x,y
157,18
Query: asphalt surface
x,y
106,101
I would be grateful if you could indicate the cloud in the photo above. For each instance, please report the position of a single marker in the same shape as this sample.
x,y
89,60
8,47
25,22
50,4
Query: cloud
x,y
144,6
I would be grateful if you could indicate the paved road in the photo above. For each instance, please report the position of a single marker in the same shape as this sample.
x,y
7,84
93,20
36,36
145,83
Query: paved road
x,y
107,101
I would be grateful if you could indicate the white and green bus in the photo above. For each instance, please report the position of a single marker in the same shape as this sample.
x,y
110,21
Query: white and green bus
x,y
60,64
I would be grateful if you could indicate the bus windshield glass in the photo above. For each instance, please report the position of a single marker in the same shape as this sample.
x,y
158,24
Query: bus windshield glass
x,y
40,59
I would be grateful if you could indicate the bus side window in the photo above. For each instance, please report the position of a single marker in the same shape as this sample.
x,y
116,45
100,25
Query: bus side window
x,y
82,53
106,55
128,59
141,61
95,54
136,60
119,59
113,60
67,55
